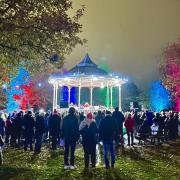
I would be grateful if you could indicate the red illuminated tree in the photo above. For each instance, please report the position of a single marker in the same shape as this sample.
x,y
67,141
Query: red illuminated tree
x,y
170,71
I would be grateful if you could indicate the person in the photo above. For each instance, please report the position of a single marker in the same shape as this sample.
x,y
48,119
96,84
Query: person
x,y
1,148
98,118
28,124
39,130
88,130
2,126
8,128
137,122
144,130
107,133
54,128
119,117
17,128
129,124
159,121
81,117
172,125
46,131
70,134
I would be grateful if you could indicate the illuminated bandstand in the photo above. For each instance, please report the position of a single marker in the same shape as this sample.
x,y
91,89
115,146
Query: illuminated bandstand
x,y
86,74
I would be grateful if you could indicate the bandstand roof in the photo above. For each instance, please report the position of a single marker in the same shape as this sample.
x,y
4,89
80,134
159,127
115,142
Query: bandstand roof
x,y
86,74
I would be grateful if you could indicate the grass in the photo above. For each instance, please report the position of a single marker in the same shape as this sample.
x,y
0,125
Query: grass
x,y
145,162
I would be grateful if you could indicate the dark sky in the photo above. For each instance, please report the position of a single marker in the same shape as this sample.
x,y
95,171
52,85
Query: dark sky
x,y
128,35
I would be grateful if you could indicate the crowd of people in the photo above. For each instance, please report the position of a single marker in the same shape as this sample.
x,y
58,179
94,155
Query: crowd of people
x,y
30,131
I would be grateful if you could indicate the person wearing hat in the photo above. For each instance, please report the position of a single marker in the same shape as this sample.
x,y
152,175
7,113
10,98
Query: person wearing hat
x,y
70,134
89,131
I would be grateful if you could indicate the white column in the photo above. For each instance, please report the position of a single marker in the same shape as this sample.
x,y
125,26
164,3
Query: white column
x,y
120,102
111,96
91,94
79,97
54,95
69,96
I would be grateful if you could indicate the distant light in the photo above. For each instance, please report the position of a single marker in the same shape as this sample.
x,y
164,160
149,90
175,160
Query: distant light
x,y
95,78
17,87
39,84
41,111
4,86
102,85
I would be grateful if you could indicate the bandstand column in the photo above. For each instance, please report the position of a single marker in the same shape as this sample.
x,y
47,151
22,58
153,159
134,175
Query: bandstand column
x,y
107,97
111,96
79,97
69,96
54,95
120,101
91,96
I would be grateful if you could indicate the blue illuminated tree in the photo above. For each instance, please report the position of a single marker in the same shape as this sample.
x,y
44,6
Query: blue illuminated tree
x,y
160,97
15,89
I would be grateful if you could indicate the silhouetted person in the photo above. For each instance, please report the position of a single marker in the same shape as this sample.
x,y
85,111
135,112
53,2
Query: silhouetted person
x,y
28,123
89,131
39,130
108,133
119,117
54,128
70,134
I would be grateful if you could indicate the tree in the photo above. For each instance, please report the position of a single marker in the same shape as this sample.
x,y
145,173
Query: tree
x,y
170,71
160,97
36,34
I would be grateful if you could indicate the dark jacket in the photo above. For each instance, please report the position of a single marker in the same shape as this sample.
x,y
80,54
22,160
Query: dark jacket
x,y
98,118
28,123
119,117
54,125
17,124
2,126
70,128
145,128
107,129
39,125
89,134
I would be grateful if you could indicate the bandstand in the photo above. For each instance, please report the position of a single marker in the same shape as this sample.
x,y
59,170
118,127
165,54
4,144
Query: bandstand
x,y
86,74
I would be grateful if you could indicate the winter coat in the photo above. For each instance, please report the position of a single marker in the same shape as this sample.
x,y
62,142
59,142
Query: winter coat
x,y
89,134
28,123
129,124
2,126
119,117
54,125
145,128
107,129
8,126
70,128
98,118
39,125
17,124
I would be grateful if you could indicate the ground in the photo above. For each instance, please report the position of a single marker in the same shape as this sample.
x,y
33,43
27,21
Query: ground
x,y
139,162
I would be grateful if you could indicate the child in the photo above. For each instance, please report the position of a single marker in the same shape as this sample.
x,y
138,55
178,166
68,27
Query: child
x,y
1,146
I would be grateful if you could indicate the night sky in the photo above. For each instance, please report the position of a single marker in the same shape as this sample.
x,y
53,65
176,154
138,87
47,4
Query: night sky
x,y
128,35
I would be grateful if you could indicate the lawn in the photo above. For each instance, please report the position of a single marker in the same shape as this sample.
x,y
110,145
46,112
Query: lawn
x,y
139,162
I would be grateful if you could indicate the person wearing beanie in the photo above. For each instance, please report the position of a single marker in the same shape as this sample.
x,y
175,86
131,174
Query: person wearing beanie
x,y
89,131
70,134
